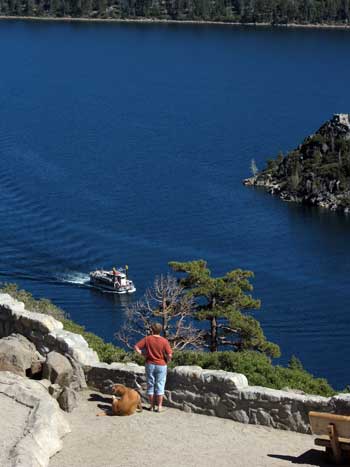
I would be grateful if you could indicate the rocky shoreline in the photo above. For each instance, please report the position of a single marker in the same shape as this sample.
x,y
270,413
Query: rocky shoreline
x,y
145,20
324,199
316,173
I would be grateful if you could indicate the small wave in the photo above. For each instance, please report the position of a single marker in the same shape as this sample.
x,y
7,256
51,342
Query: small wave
x,y
78,278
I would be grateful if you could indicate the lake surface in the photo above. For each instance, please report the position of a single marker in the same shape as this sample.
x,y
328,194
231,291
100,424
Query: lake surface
x,y
127,143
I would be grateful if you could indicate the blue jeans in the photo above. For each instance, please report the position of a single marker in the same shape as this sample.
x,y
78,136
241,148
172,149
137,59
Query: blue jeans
x,y
156,377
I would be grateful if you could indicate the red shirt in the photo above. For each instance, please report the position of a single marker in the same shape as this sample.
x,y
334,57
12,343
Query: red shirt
x,y
156,349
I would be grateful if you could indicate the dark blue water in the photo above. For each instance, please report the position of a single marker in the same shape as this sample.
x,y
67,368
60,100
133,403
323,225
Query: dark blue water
x,y
128,143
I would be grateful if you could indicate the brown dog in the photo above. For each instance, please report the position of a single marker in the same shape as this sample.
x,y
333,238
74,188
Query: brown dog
x,y
128,403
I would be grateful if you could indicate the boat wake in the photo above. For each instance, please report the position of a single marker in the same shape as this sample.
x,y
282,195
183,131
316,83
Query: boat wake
x,y
75,278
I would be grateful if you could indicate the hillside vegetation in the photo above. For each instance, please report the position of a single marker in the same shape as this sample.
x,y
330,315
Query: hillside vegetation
x,y
256,366
244,11
317,172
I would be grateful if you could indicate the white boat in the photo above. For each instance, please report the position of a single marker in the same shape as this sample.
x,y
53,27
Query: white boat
x,y
115,281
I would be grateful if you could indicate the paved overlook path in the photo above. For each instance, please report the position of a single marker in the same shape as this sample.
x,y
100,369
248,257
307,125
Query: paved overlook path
x,y
174,438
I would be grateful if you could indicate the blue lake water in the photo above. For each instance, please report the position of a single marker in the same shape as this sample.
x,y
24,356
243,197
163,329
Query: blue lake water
x,y
128,143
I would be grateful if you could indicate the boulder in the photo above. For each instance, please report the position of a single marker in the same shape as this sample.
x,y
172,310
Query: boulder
x,y
58,369
37,365
45,383
17,354
72,344
78,381
42,428
55,390
67,400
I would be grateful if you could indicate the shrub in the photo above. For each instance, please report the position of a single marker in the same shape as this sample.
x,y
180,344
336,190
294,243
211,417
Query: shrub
x,y
39,306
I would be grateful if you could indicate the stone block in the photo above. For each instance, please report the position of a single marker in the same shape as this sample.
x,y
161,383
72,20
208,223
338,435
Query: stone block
x,y
73,344
58,369
340,404
17,354
78,381
68,400
240,416
54,390
102,376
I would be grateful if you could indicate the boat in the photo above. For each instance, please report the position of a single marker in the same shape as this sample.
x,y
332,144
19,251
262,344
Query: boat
x,y
114,281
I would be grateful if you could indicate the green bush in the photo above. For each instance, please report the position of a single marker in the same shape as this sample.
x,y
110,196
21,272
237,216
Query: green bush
x,y
39,306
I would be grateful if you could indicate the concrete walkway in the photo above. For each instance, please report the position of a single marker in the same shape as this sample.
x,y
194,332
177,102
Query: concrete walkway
x,y
174,438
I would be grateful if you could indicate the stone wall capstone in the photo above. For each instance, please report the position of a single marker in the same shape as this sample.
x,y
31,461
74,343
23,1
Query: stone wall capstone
x,y
44,331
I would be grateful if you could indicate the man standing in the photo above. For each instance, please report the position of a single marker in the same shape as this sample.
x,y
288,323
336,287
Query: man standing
x,y
114,273
157,352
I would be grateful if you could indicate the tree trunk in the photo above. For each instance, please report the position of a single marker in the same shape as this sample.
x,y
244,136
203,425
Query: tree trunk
x,y
164,317
213,329
213,335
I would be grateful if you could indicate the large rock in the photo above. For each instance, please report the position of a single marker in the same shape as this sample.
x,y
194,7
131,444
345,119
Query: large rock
x,y
58,369
15,318
68,400
17,354
72,344
43,428
79,381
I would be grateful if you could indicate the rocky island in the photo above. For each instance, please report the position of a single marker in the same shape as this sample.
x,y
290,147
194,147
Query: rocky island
x,y
317,172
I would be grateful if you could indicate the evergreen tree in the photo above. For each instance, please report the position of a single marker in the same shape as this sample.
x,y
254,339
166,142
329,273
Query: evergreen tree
x,y
102,8
55,7
30,8
223,302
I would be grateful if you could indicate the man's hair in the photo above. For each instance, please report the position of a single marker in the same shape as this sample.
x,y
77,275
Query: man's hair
x,y
156,328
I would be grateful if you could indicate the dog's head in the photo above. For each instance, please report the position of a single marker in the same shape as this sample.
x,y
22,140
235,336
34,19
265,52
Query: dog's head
x,y
119,389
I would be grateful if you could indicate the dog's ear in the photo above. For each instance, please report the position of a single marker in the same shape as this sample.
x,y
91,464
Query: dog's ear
x,y
119,389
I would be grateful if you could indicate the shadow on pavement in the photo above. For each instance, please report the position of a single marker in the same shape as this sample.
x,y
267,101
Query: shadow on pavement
x,y
311,457
98,398
105,403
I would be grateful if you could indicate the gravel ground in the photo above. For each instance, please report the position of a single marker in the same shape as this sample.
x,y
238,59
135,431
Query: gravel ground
x,y
174,438
12,421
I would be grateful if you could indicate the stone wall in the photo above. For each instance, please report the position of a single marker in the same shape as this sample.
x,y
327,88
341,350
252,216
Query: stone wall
x,y
223,394
44,331
189,388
